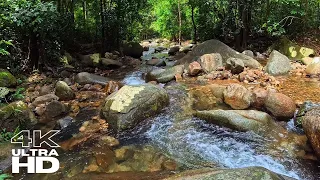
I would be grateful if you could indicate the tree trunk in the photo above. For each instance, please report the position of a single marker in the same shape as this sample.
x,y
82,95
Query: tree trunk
x,y
85,14
103,45
194,26
180,21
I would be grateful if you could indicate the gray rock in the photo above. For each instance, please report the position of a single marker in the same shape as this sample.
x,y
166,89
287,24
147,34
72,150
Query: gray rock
x,y
235,65
248,53
133,49
110,63
241,120
87,78
132,104
215,46
173,50
63,91
278,64
164,75
64,122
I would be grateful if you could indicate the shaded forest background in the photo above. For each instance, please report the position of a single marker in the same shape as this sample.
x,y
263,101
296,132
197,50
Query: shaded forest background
x,y
35,33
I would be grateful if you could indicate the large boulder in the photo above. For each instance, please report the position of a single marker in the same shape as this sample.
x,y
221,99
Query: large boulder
x,y
235,65
215,46
250,173
63,91
210,62
133,49
314,67
7,79
240,120
237,96
278,64
87,78
16,114
311,126
292,50
280,105
132,104
164,75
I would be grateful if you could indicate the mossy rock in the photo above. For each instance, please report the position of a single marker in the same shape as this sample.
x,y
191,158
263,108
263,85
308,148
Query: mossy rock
x,y
7,79
130,105
16,114
291,49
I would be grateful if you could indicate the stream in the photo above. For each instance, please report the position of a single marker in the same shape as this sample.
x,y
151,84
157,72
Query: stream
x,y
193,143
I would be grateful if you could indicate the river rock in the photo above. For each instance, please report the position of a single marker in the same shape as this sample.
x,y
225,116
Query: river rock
x,y
46,89
210,62
303,109
63,91
314,67
132,104
173,50
278,64
87,78
133,49
311,126
235,65
159,49
215,46
241,120
250,173
110,63
194,68
164,75
16,114
43,100
248,53
90,59
156,62
53,110
7,79
259,96
280,105
237,96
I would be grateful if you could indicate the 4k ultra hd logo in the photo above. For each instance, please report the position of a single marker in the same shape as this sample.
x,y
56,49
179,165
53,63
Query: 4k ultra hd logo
x,y
35,156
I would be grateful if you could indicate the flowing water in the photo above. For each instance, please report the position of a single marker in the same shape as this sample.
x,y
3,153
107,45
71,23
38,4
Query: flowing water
x,y
195,144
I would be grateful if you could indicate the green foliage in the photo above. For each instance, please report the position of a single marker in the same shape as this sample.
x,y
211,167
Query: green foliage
x,y
5,136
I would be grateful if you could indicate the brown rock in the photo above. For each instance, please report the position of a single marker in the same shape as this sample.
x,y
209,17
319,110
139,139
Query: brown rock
x,y
210,62
311,126
194,68
259,96
237,96
112,87
280,105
